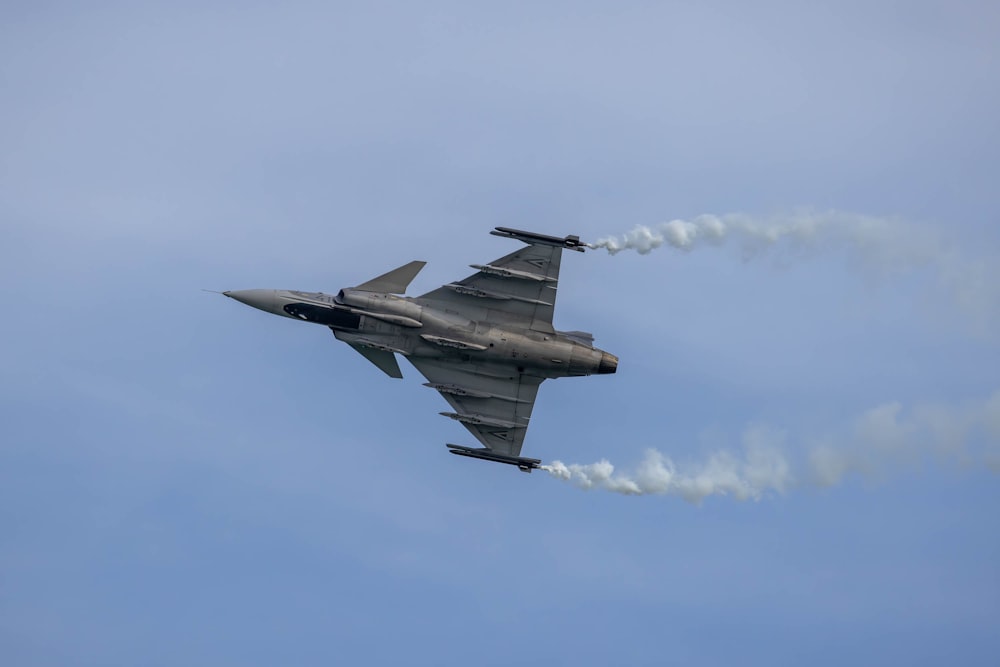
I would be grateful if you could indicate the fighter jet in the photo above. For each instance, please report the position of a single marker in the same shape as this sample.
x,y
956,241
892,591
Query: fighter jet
x,y
485,343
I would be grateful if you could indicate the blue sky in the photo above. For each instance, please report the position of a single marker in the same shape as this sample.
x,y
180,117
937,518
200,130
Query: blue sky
x,y
184,480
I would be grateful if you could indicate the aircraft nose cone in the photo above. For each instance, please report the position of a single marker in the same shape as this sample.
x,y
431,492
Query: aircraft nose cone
x,y
263,299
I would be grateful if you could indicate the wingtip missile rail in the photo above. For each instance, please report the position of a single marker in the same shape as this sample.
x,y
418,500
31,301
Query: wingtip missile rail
x,y
523,464
571,242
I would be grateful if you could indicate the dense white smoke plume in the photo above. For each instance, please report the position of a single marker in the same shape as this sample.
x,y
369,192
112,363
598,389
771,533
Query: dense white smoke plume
x,y
879,441
880,245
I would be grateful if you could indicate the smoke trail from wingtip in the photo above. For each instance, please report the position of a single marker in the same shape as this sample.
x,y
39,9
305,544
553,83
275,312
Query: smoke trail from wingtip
x,y
758,232
722,474
882,245
762,468
883,439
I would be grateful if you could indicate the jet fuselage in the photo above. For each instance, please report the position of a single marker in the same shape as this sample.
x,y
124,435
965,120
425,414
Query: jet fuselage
x,y
416,327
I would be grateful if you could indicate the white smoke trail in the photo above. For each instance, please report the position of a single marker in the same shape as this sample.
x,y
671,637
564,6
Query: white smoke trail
x,y
877,244
755,233
880,440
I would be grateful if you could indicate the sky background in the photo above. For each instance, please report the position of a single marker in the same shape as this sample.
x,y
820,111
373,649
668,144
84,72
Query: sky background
x,y
184,480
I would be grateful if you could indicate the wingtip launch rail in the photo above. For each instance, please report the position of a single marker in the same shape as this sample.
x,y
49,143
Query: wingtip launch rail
x,y
523,464
571,242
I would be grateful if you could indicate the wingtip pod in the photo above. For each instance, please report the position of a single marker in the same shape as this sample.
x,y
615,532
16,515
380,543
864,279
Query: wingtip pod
x,y
570,242
482,453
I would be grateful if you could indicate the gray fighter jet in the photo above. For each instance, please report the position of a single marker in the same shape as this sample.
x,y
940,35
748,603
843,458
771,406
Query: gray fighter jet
x,y
485,343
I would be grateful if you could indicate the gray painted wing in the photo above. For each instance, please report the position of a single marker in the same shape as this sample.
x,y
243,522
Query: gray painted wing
x,y
519,288
493,403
